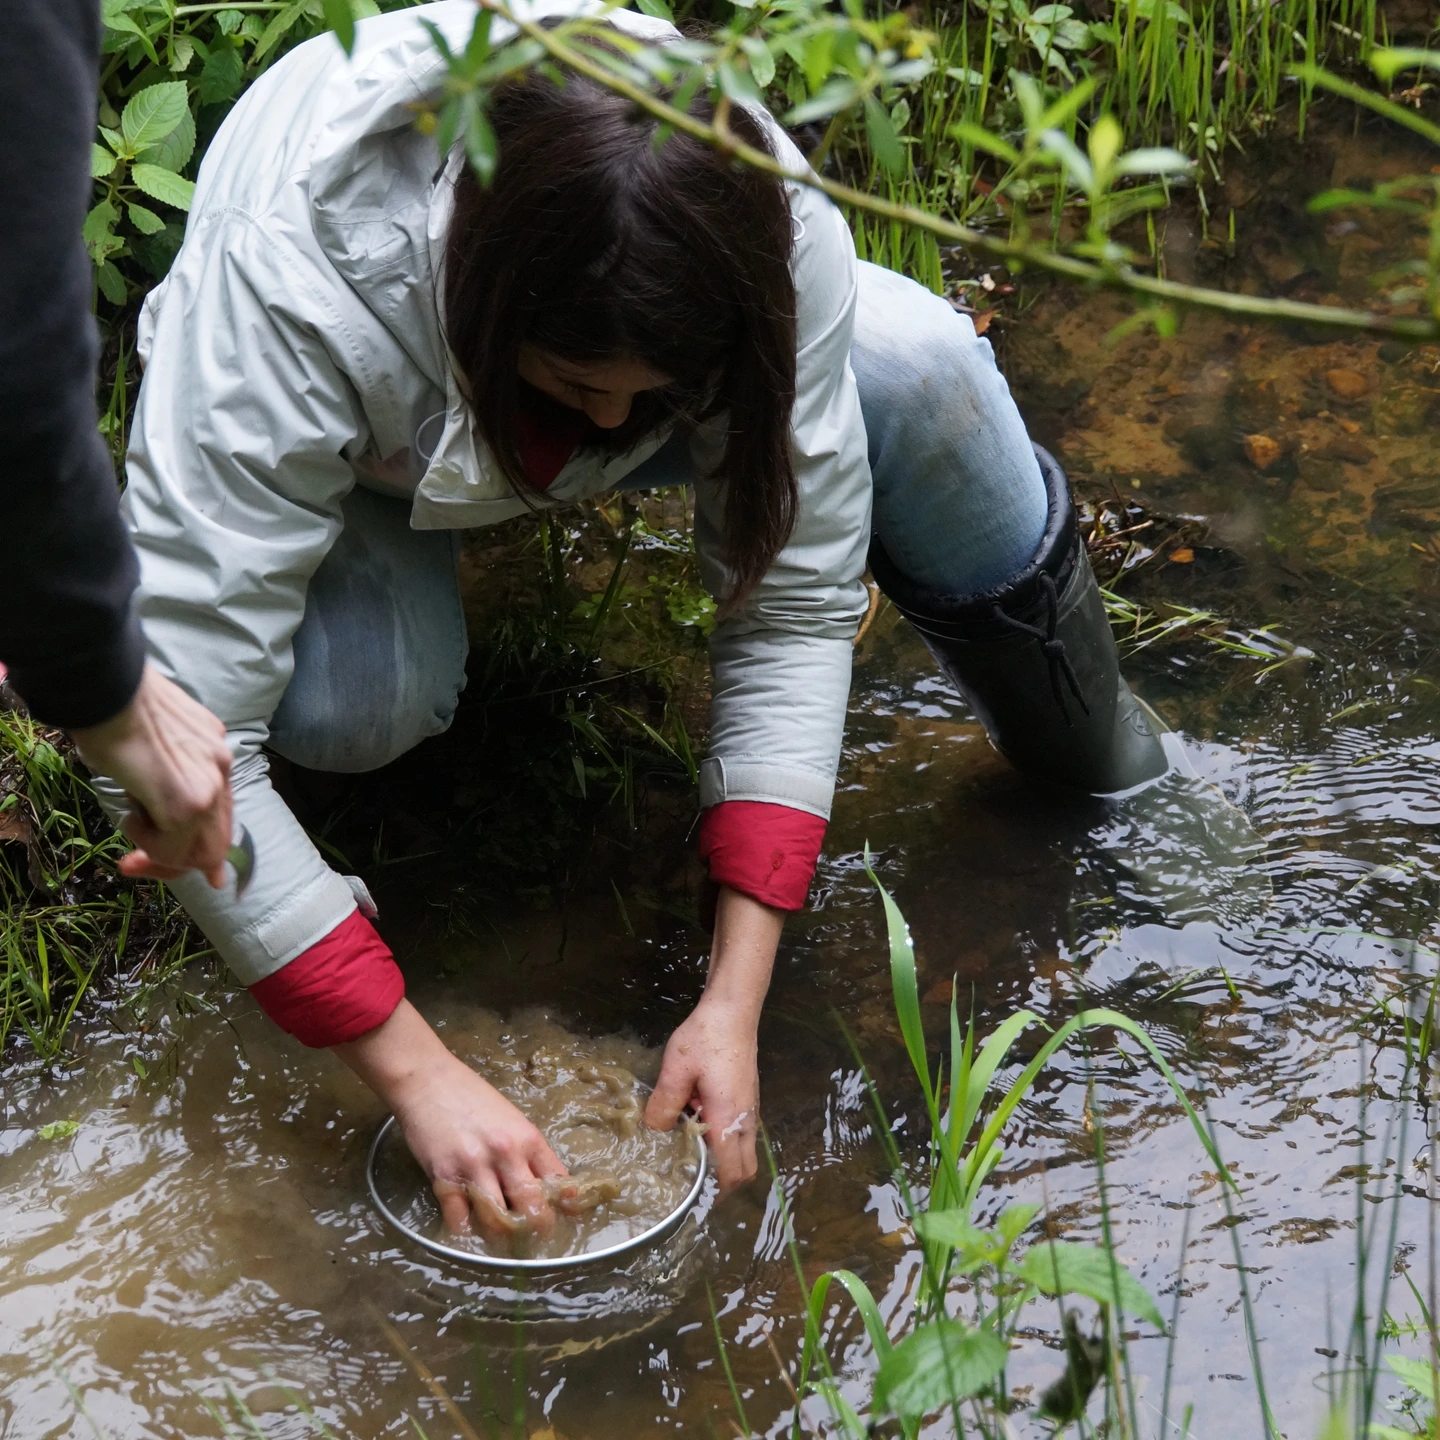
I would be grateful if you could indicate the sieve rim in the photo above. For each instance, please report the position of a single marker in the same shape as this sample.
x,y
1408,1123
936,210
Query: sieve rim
x,y
661,1230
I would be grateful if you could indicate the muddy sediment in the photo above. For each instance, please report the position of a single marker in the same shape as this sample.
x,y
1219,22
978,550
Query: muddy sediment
x,y
587,1096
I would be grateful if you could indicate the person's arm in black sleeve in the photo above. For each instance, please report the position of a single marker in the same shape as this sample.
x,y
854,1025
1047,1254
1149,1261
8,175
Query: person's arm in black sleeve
x,y
67,634
69,638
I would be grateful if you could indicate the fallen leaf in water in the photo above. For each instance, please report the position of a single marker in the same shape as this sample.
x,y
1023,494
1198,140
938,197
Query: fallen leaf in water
x,y
1183,556
939,993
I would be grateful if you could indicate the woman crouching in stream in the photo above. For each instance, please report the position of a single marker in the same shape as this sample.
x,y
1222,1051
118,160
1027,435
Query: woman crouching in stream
x,y
360,352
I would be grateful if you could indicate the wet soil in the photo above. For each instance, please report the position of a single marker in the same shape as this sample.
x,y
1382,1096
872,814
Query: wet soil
x,y
206,1225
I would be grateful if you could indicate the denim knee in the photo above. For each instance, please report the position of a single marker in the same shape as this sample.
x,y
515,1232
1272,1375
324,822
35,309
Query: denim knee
x,y
959,500
379,659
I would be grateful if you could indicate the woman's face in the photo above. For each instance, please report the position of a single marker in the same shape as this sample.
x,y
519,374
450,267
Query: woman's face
x,y
604,390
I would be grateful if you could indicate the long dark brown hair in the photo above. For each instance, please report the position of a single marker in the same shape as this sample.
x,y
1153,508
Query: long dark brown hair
x,y
597,240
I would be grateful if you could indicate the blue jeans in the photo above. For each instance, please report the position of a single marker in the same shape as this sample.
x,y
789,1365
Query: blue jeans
x,y
959,506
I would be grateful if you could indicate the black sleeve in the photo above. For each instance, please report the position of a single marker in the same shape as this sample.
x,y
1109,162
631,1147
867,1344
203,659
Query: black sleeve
x,y
67,631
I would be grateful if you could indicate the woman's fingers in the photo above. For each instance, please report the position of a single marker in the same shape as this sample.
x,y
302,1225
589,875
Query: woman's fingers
x,y
454,1206
732,1149
527,1197
672,1093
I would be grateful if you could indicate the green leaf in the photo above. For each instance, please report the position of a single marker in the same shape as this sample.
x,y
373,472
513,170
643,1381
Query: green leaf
x,y
58,1129
736,85
229,21
904,985
138,1065
660,9
279,28
147,222
153,113
1061,1267
1415,1375
222,74
182,52
1064,149
175,150
341,19
1105,141
102,162
482,149
1153,161
98,231
1387,62
164,185
982,139
115,140
819,58
762,62
938,1364
884,142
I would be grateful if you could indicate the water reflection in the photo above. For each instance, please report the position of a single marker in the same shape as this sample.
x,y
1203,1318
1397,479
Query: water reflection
x,y
207,1226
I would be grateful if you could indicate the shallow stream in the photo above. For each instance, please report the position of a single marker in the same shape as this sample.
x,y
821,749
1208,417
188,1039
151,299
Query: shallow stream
x,y
206,1225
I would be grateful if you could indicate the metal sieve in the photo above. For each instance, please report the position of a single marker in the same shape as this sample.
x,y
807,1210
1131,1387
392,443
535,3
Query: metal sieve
x,y
624,1250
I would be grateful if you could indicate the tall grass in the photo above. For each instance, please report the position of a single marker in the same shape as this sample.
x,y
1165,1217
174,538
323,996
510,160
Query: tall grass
x,y
1202,78
939,1366
66,917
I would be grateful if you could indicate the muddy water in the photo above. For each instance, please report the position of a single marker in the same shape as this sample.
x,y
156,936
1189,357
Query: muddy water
x,y
206,1226
588,1098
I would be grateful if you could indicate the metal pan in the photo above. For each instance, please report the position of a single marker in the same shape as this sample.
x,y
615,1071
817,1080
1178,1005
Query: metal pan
x,y
560,1265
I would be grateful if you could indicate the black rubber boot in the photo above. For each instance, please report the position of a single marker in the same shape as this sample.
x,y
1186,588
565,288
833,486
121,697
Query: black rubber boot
x,y
1036,660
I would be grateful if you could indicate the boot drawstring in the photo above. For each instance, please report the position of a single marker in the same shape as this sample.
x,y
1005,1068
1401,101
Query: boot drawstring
x,y
1052,647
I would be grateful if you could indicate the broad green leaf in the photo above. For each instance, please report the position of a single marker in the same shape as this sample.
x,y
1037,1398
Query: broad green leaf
x,y
153,113
736,85
147,222
102,162
1416,1375
112,284
1072,35
1051,14
222,74
98,231
182,52
115,140
834,95
1105,141
1075,165
819,58
965,76
164,185
341,19
229,21
937,1365
175,150
1014,1220
660,9
58,1129
762,62
1061,1267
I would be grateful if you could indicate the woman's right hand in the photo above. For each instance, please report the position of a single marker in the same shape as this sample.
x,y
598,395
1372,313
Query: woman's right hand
x,y
483,1157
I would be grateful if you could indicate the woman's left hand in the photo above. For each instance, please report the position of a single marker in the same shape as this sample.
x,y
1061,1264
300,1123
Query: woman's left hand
x,y
710,1064
710,1061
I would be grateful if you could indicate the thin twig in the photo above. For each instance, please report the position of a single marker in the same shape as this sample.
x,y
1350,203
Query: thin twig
x,y
1109,277
427,1378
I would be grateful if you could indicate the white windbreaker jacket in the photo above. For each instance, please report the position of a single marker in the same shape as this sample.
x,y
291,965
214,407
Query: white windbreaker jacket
x,y
296,341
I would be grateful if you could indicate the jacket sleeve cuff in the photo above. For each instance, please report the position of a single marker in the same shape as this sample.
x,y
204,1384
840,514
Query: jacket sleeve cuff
x,y
342,987
767,852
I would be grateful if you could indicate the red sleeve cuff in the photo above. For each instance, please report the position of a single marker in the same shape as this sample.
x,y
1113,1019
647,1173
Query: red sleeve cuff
x,y
767,852
339,989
